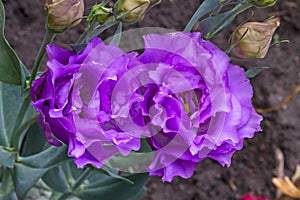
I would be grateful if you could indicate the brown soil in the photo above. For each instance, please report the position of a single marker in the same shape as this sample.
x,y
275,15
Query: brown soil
x,y
253,167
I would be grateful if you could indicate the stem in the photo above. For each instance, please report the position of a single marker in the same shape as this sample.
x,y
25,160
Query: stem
x,y
48,38
77,183
20,117
64,196
5,181
81,179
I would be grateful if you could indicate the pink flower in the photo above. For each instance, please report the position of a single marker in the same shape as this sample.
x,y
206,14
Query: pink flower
x,y
248,197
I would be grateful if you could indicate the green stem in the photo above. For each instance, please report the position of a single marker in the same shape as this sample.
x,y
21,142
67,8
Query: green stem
x,y
81,179
5,181
64,196
48,38
20,117
77,183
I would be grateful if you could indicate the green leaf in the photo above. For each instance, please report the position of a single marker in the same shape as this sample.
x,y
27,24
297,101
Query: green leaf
x,y
215,24
135,160
78,47
117,36
107,188
254,71
206,7
7,158
114,174
34,141
47,158
58,178
25,177
10,100
10,65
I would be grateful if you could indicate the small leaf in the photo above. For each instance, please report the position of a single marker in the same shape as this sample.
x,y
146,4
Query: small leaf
x,y
10,65
135,160
206,7
7,158
117,36
78,47
114,174
215,24
252,72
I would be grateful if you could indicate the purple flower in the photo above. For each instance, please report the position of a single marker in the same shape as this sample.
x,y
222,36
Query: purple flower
x,y
62,96
181,96
196,103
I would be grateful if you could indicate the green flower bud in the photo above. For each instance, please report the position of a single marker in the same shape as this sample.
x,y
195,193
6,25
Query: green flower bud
x,y
133,9
63,14
262,3
100,13
253,39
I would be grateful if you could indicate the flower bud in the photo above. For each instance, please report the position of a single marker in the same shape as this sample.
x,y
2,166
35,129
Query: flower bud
x,y
63,14
262,3
100,13
135,9
253,39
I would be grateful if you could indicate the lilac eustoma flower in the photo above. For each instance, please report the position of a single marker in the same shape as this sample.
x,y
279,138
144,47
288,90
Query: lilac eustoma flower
x,y
200,103
56,96
182,94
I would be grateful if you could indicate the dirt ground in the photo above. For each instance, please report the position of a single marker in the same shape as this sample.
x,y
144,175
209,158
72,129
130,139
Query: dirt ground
x,y
253,167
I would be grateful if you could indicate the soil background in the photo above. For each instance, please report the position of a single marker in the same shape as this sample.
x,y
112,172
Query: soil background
x,y
253,167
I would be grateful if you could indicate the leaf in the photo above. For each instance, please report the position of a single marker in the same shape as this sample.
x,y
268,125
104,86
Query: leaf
x,y
57,178
34,141
25,177
10,65
10,100
135,160
78,47
107,188
114,173
215,24
206,7
117,36
7,158
254,71
47,158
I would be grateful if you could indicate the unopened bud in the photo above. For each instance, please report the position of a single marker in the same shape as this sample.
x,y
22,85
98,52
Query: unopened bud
x,y
132,9
253,39
262,3
63,14
100,13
